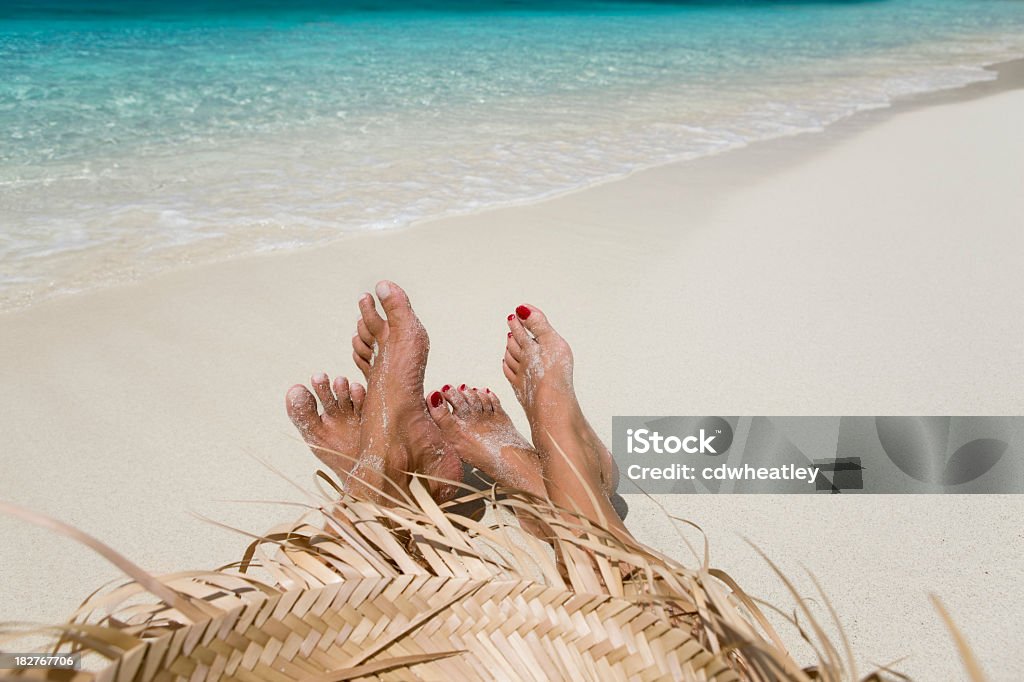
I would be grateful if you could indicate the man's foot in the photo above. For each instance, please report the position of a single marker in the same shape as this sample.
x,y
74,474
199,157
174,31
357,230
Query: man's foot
x,y
538,363
482,435
397,436
334,435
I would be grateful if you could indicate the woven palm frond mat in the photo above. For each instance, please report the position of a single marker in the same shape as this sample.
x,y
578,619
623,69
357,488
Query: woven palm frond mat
x,y
417,591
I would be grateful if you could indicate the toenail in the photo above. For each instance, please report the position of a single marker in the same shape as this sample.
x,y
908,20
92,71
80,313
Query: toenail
x,y
510,335
436,399
523,312
510,317
446,387
383,290
487,390
462,387
319,377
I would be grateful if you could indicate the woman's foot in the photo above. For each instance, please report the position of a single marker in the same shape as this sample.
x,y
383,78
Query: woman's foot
x,y
334,435
482,435
397,435
538,363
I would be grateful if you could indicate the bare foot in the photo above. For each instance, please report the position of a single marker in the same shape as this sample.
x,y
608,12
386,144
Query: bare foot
x,y
538,363
482,434
333,436
397,435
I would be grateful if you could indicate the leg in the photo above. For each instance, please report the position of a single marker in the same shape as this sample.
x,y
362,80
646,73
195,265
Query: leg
x,y
579,469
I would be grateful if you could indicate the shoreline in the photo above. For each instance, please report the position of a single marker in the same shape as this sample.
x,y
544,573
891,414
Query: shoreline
x,y
873,270
1009,76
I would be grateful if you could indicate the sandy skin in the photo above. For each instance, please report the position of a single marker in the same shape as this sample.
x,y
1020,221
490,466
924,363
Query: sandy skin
x,y
578,469
395,431
477,427
332,435
391,432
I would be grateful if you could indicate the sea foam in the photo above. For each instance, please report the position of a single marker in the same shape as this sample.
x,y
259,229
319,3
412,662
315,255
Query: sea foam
x,y
139,140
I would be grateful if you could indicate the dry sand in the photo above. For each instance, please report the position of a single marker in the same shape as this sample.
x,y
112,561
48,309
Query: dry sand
x,y
871,269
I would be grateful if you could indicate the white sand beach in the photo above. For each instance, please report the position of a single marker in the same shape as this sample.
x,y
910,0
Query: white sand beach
x,y
874,268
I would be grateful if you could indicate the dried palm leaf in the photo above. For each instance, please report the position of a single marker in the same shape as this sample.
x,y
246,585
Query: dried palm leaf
x,y
416,590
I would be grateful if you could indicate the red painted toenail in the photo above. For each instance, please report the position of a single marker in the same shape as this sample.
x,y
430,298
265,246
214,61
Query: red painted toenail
x,y
462,387
446,387
523,312
487,390
510,335
510,317
436,399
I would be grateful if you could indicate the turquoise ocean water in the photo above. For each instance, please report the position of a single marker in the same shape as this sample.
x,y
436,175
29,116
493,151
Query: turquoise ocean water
x,y
138,135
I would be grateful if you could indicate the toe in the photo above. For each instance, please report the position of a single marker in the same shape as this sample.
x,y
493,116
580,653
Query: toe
x,y
358,392
534,320
492,400
396,304
364,333
362,348
518,331
457,399
511,362
322,386
474,400
513,348
343,393
371,318
301,407
363,365
438,410
509,373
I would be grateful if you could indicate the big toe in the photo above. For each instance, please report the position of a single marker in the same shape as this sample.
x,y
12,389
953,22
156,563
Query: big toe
x,y
301,407
396,304
439,412
535,321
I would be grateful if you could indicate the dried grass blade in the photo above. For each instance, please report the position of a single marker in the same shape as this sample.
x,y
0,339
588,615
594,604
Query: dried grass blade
x,y
132,570
970,661
385,665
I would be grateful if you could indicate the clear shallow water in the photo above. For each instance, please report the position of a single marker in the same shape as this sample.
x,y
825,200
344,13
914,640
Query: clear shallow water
x,y
140,135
